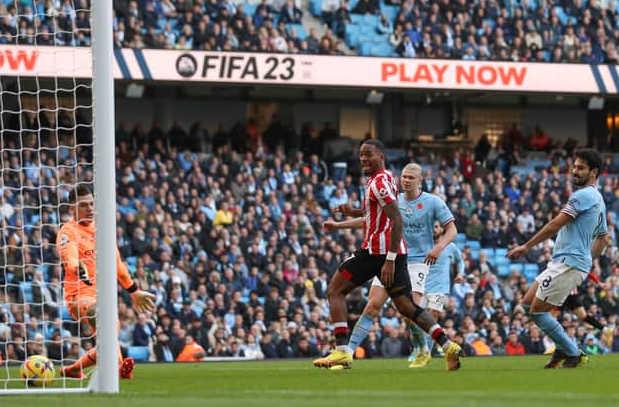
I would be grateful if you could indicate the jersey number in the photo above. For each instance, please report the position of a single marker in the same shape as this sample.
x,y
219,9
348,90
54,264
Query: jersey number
x,y
546,281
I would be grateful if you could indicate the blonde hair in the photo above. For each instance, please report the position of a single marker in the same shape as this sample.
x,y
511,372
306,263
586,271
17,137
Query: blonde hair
x,y
412,167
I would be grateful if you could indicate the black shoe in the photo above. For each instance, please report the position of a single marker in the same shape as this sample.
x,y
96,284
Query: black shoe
x,y
573,361
557,358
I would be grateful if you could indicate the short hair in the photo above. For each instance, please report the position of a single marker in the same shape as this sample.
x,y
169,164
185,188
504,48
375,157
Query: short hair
x,y
375,143
592,157
79,190
412,167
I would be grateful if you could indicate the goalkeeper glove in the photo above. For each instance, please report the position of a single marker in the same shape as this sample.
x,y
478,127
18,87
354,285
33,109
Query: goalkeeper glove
x,y
82,273
143,301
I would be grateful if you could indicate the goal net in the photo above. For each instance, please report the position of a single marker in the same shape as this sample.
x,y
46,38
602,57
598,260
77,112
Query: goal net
x,y
47,149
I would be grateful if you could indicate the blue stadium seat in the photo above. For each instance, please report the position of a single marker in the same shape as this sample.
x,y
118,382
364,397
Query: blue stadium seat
x,y
503,270
517,266
500,251
460,245
531,268
366,47
352,4
460,237
250,9
316,7
352,35
475,253
489,253
501,260
356,18
25,291
138,353
301,33
371,19
390,11
380,38
381,50
473,244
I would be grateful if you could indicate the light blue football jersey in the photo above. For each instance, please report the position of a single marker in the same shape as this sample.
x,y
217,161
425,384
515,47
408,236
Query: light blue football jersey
x,y
419,216
437,281
574,240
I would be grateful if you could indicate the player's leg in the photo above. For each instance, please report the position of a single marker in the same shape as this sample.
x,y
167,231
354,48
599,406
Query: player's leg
x,y
418,273
575,306
376,299
84,311
352,273
434,304
400,293
554,285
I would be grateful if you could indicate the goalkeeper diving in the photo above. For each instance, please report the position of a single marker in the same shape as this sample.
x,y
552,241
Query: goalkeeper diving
x,y
76,244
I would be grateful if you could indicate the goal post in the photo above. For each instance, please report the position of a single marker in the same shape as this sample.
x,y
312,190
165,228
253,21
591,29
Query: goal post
x,y
106,381
54,86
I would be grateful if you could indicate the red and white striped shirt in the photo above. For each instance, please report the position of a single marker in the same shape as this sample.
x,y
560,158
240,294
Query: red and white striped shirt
x,y
380,190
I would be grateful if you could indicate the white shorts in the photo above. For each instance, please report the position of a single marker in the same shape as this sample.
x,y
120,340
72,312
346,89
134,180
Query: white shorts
x,y
557,282
417,273
433,301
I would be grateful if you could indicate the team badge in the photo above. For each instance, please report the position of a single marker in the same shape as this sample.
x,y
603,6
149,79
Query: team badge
x,y
409,210
64,240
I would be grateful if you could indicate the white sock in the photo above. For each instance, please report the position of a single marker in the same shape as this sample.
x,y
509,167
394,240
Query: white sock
x,y
344,348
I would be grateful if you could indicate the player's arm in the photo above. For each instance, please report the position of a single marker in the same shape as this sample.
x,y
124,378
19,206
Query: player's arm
x,y
599,244
348,210
397,230
142,300
447,237
459,264
550,229
356,223
70,257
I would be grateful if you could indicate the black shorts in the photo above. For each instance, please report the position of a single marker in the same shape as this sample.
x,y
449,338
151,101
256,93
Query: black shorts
x,y
362,266
572,302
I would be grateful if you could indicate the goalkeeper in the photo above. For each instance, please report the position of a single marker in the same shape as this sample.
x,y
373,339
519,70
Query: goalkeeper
x,y
76,244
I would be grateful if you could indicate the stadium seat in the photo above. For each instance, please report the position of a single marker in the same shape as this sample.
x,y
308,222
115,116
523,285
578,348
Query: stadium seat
x,y
250,9
139,353
365,48
356,19
501,260
460,237
475,253
503,270
301,33
25,291
489,253
316,7
500,252
473,244
517,266
531,268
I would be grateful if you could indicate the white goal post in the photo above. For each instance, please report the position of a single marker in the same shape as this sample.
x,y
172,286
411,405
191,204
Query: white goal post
x,y
25,94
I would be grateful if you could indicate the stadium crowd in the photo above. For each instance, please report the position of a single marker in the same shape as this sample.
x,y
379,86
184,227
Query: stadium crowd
x,y
505,30
231,243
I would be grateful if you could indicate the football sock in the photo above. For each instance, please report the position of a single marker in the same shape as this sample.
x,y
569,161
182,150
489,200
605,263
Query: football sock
x,y
438,335
89,359
360,331
340,330
418,337
553,328
594,322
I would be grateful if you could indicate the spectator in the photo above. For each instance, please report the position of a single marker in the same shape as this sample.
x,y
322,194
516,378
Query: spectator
x,y
514,346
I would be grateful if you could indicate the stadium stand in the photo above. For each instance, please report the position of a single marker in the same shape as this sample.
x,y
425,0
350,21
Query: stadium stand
x,y
502,30
232,246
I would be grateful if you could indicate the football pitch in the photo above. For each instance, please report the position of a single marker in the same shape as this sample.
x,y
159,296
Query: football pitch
x,y
494,381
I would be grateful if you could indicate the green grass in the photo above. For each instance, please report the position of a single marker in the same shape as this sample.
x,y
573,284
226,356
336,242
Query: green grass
x,y
499,381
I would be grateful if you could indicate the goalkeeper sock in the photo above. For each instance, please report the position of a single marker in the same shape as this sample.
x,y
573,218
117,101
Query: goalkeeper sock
x,y
89,359
593,322
360,331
